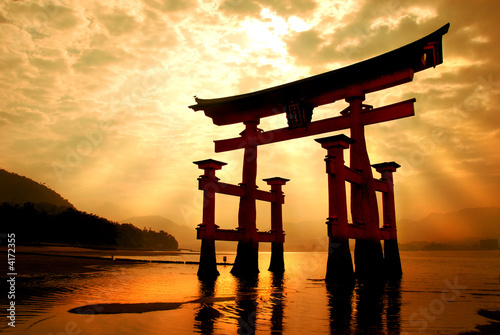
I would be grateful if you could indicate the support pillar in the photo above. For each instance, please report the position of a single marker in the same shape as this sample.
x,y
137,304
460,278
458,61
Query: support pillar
x,y
277,264
207,269
339,269
368,255
246,263
392,261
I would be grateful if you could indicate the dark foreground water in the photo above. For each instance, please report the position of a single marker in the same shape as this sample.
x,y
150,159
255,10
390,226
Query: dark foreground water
x,y
441,292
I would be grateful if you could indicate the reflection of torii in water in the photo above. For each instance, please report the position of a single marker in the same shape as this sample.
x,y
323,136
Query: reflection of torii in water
x,y
297,100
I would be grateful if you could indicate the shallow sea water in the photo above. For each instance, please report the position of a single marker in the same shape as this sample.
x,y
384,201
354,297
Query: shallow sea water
x,y
440,293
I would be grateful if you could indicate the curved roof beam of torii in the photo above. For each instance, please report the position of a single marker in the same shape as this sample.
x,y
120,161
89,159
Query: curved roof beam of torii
x,y
390,69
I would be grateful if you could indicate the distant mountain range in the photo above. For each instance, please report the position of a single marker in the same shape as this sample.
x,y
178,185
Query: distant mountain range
x,y
455,229
466,224
306,236
185,235
16,189
471,224
40,215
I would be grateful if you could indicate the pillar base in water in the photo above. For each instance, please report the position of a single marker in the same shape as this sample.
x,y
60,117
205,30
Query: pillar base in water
x,y
392,261
246,263
277,261
207,269
339,268
369,260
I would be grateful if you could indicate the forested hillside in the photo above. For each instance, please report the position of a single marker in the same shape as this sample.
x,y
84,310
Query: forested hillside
x,y
72,227
16,189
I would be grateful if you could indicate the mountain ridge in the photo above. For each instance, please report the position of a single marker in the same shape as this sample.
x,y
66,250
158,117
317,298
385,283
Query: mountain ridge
x,y
45,216
466,223
17,189
185,235
473,223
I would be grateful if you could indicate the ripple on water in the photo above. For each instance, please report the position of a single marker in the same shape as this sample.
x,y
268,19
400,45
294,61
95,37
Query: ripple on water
x,y
291,304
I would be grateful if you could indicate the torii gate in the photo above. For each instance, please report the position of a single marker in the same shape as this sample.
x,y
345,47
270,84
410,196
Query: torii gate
x,y
297,100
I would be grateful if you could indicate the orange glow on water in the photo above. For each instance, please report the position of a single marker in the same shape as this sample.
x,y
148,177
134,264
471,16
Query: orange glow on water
x,y
297,302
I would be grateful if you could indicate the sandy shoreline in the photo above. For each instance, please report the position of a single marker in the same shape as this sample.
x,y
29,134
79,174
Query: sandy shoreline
x,y
75,251
64,260
73,260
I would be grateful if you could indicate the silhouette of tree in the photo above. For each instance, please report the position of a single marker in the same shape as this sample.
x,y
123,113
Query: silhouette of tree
x,y
33,225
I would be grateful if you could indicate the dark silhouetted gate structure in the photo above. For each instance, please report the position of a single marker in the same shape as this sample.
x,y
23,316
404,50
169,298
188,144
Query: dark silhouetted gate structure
x,y
297,100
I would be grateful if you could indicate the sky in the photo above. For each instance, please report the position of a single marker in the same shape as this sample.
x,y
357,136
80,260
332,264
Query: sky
x,y
95,95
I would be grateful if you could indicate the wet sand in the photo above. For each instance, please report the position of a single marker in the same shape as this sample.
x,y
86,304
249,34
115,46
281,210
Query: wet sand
x,y
117,308
78,251
59,259
69,260
493,327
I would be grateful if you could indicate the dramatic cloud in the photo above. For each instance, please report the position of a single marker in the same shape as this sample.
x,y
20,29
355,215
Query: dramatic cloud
x,y
282,8
94,99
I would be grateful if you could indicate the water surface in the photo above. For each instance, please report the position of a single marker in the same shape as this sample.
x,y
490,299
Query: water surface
x,y
440,292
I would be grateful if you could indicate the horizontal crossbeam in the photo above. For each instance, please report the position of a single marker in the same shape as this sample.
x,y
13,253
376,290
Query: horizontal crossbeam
x,y
237,190
236,235
359,232
380,186
352,176
376,115
387,70
222,188
266,196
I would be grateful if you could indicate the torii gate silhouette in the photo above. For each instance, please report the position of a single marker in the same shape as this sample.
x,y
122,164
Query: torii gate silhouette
x,y
297,100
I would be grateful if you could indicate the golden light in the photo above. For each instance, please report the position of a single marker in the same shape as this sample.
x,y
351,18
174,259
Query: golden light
x,y
266,33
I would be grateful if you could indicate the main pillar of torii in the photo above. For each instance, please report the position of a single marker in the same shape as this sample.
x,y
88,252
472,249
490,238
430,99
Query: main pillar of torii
x,y
247,255
297,100
368,255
